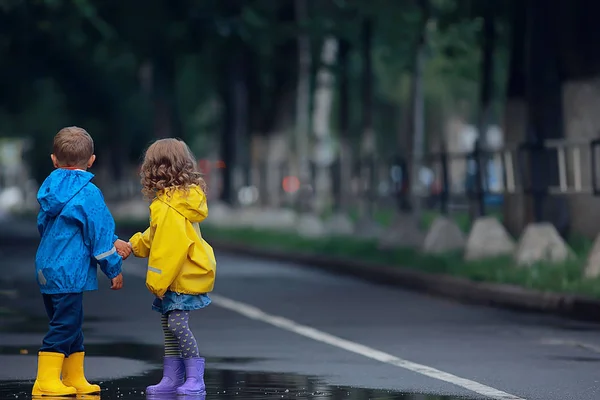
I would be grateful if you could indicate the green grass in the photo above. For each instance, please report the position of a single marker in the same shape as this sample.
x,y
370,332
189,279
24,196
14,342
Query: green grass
x,y
561,278
385,216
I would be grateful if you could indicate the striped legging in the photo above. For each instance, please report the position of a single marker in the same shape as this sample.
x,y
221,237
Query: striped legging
x,y
179,339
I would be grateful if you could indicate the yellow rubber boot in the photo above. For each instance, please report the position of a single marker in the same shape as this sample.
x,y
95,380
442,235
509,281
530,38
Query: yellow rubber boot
x,y
48,381
74,376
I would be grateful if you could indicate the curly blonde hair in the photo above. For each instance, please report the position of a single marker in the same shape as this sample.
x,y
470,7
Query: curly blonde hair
x,y
169,163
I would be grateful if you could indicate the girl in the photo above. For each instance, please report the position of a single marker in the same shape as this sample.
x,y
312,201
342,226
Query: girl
x,y
181,265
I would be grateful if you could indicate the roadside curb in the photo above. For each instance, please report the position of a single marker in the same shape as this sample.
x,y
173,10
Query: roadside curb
x,y
460,289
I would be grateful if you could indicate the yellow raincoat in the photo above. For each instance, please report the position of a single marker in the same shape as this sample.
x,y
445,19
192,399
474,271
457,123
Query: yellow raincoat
x,y
179,259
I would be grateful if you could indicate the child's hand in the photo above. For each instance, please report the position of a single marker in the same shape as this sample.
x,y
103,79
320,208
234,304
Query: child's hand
x,y
123,248
117,282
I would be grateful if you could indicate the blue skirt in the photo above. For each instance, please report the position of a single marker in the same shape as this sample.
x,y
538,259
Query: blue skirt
x,y
183,302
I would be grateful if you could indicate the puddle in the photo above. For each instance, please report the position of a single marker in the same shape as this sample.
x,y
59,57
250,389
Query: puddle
x,y
229,384
221,383
135,351
18,321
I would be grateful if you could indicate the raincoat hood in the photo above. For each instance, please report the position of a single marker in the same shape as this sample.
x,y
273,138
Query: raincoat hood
x,y
60,187
191,203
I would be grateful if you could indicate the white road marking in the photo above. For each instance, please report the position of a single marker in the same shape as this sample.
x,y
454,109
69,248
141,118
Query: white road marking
x,y
312,333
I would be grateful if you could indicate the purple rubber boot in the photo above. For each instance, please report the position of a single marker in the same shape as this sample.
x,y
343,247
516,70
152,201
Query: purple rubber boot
x,y
173,377
194,383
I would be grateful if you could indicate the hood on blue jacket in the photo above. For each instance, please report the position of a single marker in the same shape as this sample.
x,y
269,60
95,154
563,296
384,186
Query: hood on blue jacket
x,y
60,187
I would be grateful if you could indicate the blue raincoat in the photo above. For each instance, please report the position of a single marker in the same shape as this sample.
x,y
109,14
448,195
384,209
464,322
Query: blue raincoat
x,y
77,234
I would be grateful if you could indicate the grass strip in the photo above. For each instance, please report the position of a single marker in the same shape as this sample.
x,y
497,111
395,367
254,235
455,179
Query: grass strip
x,y
566,277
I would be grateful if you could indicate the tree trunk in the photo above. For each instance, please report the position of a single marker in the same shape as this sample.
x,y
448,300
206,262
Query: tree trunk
x,y
279,107
323,101
239,94
344,162
302,131
419,111
544,96
477,207
368,146
228,151
487,71
515,118
256,127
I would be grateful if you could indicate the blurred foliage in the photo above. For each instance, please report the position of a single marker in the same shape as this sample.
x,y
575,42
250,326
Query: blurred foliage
x,y
83,62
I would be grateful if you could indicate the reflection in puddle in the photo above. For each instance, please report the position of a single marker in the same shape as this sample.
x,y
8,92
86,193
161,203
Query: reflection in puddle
x,y
227,384
136,351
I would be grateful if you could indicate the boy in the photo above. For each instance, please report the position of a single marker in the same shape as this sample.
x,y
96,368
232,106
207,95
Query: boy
x,y
77,233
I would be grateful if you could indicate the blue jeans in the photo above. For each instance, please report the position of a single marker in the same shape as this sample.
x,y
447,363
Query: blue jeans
x,y
65,312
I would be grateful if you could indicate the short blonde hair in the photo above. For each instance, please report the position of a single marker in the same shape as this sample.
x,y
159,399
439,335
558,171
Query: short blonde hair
x,y
73,147
169,163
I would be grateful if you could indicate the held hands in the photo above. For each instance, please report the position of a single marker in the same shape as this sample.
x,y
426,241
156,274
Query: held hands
x,y
117,282
123,248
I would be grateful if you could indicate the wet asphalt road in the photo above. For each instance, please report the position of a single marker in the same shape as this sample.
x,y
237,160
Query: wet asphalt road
x,y
529,356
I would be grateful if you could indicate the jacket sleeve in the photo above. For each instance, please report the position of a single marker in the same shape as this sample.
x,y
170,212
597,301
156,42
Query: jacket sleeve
x,y
99,232
170,247
141,243
42,221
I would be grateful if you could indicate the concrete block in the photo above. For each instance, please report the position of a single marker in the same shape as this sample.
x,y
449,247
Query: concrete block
x,y
366,228
340,224
311,226
404,232
488,238
443,236
541,242
275,219
592,266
